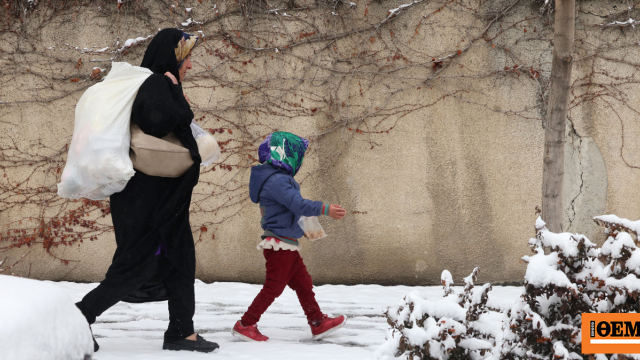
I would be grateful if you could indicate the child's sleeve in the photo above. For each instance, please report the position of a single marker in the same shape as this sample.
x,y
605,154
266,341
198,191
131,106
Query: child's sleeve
x,y
286,194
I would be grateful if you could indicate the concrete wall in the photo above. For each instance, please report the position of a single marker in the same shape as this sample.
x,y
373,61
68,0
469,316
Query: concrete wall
x,y
445,176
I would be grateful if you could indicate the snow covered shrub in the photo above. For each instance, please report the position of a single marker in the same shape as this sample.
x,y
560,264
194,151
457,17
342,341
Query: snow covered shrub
x,y
620,258
546,321
573,277
458,326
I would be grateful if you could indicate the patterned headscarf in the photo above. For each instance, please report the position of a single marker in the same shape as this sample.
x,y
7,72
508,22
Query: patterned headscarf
x,y
185,45
283,150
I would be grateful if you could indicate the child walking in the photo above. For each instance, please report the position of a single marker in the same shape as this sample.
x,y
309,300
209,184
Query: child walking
x,y
272,186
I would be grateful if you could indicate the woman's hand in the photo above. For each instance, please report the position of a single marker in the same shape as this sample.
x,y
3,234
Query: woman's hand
x,y
173,78
170,76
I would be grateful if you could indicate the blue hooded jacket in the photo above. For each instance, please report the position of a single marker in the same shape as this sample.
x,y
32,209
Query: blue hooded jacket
x,y
272,186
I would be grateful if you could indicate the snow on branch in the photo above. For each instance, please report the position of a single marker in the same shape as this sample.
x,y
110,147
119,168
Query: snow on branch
x,y
351,5
190,21
629,22
127,44
132,42
616,224
397,11
447,282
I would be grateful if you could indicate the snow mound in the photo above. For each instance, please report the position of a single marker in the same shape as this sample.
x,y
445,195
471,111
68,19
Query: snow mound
x,y
40,322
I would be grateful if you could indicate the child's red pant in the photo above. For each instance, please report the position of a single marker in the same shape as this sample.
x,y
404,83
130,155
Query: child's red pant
x,y
284,267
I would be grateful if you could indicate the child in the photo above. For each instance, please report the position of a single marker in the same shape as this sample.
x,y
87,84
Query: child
x,y
273,187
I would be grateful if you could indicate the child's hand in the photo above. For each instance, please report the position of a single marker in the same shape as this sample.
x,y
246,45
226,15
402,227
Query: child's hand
x,y
337,212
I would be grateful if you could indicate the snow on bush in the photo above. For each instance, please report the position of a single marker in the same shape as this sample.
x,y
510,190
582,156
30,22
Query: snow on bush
x,y
40,322
574,277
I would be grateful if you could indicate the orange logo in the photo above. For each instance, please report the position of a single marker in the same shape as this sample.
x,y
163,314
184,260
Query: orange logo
x,y
610,333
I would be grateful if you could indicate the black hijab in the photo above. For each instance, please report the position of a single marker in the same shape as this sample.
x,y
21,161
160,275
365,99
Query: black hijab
x,y
160,56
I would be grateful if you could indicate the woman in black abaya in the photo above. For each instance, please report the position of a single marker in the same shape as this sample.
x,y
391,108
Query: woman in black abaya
x,y
155,254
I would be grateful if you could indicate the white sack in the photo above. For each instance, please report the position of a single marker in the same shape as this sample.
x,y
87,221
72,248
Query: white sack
x,y
207,145
98,163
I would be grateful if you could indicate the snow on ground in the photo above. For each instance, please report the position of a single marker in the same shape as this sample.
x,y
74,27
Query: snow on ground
x,y
38,321
135,331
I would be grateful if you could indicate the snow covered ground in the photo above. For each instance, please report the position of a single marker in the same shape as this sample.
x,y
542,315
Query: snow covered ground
x,y
135,331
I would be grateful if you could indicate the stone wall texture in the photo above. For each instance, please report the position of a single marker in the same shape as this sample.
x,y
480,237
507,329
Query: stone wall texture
x,y
427,126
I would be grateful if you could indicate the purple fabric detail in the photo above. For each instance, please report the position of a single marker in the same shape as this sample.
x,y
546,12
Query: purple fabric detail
x,y
264,151
162,249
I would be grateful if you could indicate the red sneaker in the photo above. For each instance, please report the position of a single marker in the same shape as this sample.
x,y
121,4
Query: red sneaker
x,y
248,333
327,326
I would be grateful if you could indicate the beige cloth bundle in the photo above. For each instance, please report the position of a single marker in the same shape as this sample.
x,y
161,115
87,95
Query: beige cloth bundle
x,y
167,157
154,156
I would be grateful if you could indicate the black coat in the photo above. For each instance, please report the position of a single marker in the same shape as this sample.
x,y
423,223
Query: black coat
x,y
152,210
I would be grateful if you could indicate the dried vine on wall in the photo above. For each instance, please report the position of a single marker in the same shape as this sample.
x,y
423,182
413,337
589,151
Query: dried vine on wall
x,y
354,69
